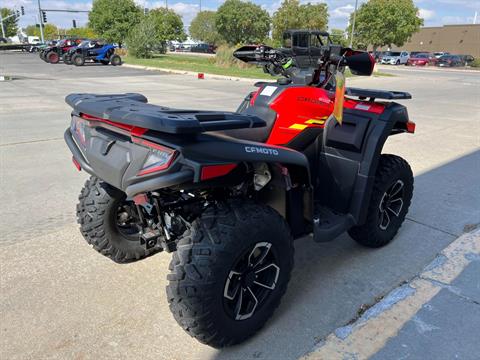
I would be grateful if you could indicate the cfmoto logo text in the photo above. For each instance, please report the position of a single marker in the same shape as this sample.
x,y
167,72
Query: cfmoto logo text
x,y
261,150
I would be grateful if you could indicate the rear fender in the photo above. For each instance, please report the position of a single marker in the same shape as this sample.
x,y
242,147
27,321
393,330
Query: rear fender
x,y
289,190
213,149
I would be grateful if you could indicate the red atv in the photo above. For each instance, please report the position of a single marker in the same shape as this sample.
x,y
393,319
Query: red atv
x,y
53,54
228,192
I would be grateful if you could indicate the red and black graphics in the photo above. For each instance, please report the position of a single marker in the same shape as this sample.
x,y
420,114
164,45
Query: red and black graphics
x,y
301,107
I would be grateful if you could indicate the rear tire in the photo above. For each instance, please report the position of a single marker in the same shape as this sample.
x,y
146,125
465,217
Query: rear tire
x,y
205,283
391,198
97,214
78,60
52,58
115,60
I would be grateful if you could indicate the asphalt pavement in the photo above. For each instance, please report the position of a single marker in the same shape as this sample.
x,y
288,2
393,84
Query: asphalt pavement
x,y
59,299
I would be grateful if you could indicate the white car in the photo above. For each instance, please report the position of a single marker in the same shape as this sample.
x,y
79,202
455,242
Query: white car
x,y
395,58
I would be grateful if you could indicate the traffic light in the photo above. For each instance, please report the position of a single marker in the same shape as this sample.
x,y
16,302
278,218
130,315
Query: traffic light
x,y
22,9
44,16
74,24
18,13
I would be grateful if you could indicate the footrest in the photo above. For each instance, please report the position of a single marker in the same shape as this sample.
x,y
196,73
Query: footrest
x,y
327,225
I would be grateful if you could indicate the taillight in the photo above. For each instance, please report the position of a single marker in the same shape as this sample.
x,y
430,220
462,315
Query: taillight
x,y
77,127
159,157
410,127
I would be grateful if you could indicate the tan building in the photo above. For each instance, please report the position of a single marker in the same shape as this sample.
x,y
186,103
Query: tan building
x,y
455,39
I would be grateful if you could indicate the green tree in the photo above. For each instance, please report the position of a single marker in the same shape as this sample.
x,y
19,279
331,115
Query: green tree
x,y
338,37
168,25
32,30
112,20
11,24
82,32
385,22
153,32
50,31
292,15
203,27
242,22
140,41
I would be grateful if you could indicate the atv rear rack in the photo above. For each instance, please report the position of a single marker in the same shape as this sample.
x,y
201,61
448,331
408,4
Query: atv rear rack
x,y
133,109
377,94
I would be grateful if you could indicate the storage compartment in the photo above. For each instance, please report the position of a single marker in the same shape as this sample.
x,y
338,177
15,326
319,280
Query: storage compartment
x,y
349,135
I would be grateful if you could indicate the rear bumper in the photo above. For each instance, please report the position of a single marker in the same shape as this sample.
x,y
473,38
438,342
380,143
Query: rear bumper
x,y
77,154
139,186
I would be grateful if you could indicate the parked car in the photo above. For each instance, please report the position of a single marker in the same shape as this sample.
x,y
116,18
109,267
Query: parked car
x,y
449,60
440,54
467,60
203,48
95,51
53,54
395,57
421,59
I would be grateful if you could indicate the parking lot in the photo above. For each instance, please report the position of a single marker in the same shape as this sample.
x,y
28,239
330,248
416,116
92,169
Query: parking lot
x,y
60,299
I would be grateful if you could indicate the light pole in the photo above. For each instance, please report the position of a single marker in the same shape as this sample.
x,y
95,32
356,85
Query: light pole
x,y
353,24
1,24
41,21
200,5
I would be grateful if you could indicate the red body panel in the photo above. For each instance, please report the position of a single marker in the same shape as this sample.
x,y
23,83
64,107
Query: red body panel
x,y
299,108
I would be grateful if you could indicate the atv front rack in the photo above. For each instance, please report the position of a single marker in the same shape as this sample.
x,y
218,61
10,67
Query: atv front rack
x,y
133,109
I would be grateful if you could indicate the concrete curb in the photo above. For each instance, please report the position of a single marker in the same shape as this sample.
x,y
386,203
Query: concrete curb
x,y
369,334
193,73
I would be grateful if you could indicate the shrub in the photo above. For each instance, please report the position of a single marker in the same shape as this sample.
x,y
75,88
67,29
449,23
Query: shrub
x,y
140,42
475,63
224,58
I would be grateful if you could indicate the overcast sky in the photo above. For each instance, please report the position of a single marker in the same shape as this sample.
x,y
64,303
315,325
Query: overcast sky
x,y
434,12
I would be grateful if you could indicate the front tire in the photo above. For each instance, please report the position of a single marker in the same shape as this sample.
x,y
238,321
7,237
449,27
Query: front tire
x,y
230,271
115,60
391,198
107,222
78,60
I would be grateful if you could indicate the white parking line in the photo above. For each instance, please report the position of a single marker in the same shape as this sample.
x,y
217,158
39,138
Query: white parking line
x,y
383,321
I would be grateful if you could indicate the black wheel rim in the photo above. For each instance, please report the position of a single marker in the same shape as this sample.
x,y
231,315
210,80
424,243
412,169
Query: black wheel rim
x,y
391,204
127,220
251,281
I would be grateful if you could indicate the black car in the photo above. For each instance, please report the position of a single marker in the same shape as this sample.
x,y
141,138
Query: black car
x,y
450,61
467,60
203,48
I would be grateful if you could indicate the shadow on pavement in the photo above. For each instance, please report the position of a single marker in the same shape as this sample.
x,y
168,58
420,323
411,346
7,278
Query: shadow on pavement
x,y
331,281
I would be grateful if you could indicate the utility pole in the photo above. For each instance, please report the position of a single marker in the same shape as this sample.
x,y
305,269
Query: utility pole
x,y
353,24
200,5
41,21
166,4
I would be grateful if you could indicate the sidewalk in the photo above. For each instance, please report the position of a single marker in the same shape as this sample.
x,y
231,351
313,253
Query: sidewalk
x,y
434,316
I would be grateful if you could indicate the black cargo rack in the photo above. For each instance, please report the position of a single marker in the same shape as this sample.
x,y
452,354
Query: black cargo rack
x,y
377,94
133,109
